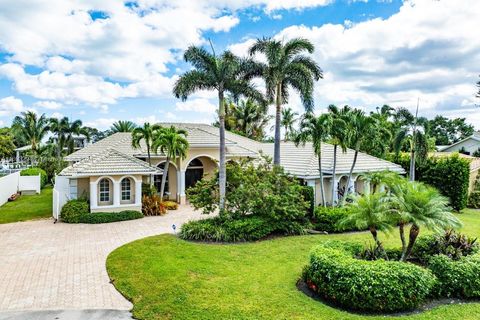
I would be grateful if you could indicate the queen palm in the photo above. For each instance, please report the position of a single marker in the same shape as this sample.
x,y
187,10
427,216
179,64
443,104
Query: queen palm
x,y
286,68
317,130
288,121
30,128
421,205
172,143
123,126
250,118
225,74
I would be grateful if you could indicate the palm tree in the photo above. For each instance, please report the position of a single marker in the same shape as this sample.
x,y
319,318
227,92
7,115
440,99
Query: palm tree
x,y
286,68
421,205
370,211
288,120
339,136
30,128
360,127
64,131
249,119
317,130
123,126
478,85
225,74
146,133
173,143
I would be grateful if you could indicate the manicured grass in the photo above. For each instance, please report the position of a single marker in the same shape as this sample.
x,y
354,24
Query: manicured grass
x,y
168,278
28,207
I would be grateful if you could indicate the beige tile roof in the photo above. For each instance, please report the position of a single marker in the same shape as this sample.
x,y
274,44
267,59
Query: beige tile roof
x,y
109,161
299,161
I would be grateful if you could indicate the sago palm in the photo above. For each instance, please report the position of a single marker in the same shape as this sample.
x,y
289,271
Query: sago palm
x,y
421,205
317,130
173,144
224,74
288,121
30,128
123,126
286,68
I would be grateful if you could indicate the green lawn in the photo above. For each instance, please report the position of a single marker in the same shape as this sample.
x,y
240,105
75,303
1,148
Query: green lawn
x,y
28,207
168,278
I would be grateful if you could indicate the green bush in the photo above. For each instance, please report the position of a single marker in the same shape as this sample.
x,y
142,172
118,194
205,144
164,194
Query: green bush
x,y
474,200
73,210
216,229
373,286
106,217
309,196
450,175
34,171
148,190
459,279
327,218
52,166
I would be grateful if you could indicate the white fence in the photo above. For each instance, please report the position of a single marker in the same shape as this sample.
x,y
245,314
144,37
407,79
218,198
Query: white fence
x,y
13,183
60,194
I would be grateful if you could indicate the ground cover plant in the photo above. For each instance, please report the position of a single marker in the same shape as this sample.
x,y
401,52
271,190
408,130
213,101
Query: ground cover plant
x,y
28,207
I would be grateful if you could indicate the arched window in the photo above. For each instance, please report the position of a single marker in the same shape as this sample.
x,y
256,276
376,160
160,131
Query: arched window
x,y
126,189
104,190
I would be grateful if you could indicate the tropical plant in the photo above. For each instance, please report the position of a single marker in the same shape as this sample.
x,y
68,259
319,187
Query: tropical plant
x,y
172,142
7,147
339,136
64,131
370,211
316,130
288,120
225,74
420,205
122,126
286,67
30,128
146,133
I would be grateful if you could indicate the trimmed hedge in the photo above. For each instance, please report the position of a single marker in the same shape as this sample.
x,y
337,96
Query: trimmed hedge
x,y
450,175
34,171
216,229
73,210
373,286
458,279
327,218
106,217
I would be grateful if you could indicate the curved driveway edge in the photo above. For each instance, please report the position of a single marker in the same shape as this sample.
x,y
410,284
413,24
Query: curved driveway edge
x,y
46,266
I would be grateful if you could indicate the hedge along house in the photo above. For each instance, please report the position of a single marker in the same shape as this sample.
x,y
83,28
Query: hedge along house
x,y
108,156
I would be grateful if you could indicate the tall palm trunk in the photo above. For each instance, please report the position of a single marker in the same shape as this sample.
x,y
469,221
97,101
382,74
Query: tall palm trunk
x,y
333,174
164,178
412,163
149,160
320,171
401,229
414,231
222,174
355,156
278,116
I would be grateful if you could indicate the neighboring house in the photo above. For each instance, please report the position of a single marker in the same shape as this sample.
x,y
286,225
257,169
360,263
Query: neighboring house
x,y
100,169
467,146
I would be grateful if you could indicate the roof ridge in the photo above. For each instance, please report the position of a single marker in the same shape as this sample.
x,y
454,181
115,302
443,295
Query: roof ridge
x,y
135,159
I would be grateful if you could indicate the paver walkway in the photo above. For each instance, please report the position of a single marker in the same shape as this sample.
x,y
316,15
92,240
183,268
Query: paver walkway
x,y
46,266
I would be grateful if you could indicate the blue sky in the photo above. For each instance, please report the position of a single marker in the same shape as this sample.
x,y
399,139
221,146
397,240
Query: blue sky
x,y
102,61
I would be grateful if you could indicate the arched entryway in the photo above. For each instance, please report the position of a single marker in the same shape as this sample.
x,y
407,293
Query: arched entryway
x,y
360,185
197,168
170,190
342,186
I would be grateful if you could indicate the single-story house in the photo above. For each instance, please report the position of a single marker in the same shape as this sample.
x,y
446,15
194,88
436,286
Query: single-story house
x,y
468,146
110,172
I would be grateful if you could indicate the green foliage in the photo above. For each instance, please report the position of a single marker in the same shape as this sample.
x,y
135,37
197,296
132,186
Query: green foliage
x,y
73,210
457,279
153,206
309,196
328,218
106,217
374,286
148,190
249,228
450,175
7,146
474,197
451,244
34,171
259,190
52,166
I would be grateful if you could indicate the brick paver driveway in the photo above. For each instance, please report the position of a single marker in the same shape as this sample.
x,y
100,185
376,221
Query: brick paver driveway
x,y
62,266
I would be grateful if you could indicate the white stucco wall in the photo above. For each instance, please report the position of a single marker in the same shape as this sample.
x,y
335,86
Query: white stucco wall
x,y
470,145
8,186
29,183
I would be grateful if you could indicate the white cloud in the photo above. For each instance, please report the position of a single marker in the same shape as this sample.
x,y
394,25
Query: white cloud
x,y
196,105
100,123
150,119
2,123
51,105
10,106
57,115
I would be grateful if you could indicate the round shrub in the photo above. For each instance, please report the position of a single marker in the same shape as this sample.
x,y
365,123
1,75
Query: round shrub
x,y
327,218
373,286
458,279
34,171
73,210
